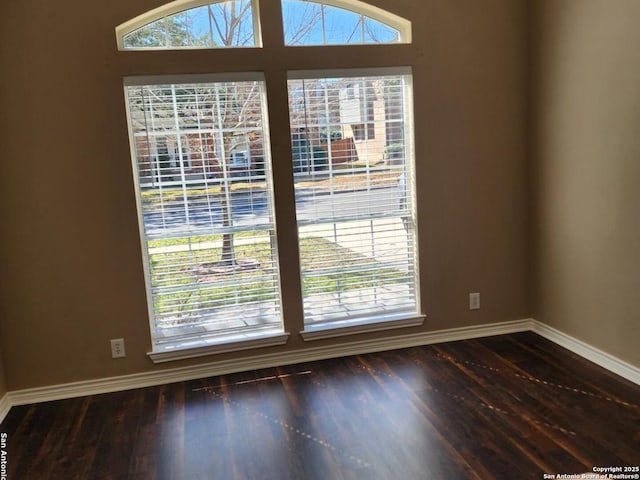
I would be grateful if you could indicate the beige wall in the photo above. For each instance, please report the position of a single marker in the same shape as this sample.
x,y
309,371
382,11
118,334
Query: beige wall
x,y
587,172
70,251
3,385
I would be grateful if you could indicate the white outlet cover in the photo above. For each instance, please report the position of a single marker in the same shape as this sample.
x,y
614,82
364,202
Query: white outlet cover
x,y
474,301
117,348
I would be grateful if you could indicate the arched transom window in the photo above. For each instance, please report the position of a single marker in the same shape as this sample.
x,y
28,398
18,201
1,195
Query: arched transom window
x,y
235,23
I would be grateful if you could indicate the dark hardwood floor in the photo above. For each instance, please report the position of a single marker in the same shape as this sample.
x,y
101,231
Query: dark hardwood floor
x,y
506,407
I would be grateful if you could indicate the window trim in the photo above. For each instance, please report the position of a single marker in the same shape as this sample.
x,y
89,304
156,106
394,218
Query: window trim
x,y
243,76
249,342
355,326
308,74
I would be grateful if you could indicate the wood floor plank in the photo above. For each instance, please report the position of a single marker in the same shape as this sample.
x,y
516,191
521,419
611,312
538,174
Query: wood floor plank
x,y
473,419
506,407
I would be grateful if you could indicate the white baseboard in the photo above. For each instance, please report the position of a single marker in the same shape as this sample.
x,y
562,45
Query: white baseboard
x,y
148,379
5,406
593,354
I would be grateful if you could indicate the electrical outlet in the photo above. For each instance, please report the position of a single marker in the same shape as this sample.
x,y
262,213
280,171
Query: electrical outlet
x,y
117,348
474,301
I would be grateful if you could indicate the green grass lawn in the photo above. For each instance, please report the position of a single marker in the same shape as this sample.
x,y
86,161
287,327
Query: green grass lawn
x,y
201,239
205,286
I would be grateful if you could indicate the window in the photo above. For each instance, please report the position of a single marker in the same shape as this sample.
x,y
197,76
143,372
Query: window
x,y
234,23
212,25
311,23
209,235
354,215
201,158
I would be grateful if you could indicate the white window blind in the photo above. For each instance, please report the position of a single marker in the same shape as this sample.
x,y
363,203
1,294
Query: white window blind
x,y
353,164
201,161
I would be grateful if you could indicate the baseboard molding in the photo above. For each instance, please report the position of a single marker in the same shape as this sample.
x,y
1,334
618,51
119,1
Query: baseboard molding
x,y
148,379
591,353
5,406
180,374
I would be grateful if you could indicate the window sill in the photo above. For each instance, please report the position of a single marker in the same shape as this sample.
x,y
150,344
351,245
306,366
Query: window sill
x,y
171,352
353,327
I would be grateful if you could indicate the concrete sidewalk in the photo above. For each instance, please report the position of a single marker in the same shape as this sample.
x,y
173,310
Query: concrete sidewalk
x,y
383,240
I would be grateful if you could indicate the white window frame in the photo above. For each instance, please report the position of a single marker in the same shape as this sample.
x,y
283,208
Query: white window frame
x,y
351,326
195,348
